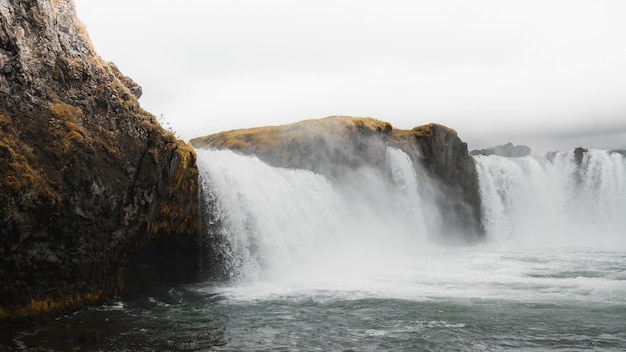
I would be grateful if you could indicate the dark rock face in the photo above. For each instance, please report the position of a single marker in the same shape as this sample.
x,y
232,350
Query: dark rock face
x,y
335,145
445,158
91,187
579,154
507,150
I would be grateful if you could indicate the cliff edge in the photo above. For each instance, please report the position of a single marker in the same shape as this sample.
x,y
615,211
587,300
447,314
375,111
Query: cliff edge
x,y
447,161
334,145
94,195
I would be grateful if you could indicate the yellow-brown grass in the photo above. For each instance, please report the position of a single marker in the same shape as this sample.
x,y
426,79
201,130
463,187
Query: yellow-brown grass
x,y
66,131
43,305
261,138
64,111
405,139
16,172
169,217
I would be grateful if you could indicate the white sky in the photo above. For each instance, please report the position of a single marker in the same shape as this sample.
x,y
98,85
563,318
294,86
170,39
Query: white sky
x,y
550,74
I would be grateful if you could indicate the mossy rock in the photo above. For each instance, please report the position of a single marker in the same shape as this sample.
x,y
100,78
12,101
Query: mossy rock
x,y
88,180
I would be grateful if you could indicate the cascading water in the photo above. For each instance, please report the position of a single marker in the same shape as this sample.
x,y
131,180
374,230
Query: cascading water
x,y
536,201
281,222
292,225
349,263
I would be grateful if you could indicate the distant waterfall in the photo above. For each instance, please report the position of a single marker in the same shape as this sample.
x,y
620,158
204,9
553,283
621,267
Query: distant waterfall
x,y
533,199
277,220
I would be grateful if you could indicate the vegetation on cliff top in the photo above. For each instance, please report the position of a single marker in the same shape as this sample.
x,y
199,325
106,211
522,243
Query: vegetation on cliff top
x,y
406,139
262,138
334,146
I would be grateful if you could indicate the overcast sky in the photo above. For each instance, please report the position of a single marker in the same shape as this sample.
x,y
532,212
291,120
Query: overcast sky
x,y
551,74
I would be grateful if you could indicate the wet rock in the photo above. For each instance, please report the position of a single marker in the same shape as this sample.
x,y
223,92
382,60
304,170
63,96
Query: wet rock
x,y
579,154
447,162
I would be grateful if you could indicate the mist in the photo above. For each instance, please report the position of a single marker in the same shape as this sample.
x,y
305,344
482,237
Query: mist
x,y
295,228
294,224
554,202
495,71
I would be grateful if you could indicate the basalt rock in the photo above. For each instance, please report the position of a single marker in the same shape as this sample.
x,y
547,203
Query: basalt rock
x,y
335,145
91,186
447,162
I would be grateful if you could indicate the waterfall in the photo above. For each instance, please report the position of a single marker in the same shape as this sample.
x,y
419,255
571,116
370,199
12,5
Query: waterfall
x,y
277,222
268,222
560,201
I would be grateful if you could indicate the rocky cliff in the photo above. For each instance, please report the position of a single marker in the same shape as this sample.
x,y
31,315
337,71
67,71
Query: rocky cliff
x,y
92,189
447,162
334,145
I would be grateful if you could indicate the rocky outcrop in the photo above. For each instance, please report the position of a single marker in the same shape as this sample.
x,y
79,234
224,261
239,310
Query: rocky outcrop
x,y
446,161
328,146
506,150
91,186
335,145
579,154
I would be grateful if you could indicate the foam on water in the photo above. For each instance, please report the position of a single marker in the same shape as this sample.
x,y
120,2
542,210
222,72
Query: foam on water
x,y
460,275
295,233
536,202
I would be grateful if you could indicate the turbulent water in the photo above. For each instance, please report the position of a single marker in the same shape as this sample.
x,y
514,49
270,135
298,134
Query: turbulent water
x,y
355,264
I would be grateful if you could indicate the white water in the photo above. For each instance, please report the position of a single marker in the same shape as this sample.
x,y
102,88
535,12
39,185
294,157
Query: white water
x,y
551,234
287,224
532,201
350,264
